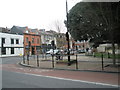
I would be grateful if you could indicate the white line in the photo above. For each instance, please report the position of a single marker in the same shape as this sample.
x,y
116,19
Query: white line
x,y
89,82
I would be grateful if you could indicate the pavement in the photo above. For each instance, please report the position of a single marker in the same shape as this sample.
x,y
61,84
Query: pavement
x,y
84,63
89,70
98,78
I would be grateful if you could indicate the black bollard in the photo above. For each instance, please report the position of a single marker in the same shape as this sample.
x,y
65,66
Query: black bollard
x,y
37,61
24,59
102,61
76,62
53,60
108,55
76,58
28,59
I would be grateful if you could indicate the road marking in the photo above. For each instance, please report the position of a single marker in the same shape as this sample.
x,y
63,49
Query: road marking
x,y
89,82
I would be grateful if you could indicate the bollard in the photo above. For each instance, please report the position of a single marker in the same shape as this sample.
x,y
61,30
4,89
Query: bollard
x,y
52,60
76,62
102,61
76,58
28,59
24,59
108,55
37,61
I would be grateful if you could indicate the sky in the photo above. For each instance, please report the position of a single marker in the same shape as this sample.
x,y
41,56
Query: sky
x,y
41,14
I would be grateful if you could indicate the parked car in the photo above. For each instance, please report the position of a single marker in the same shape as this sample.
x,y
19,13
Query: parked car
x,y
51,51
70,50
81,51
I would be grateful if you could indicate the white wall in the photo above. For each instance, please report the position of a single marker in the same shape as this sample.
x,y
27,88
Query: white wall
x,y
46,38
18,48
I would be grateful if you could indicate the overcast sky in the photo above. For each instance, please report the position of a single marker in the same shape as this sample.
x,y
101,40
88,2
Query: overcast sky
x,y
41,14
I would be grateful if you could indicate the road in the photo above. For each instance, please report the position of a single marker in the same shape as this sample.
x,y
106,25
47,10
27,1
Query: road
x,y
14,78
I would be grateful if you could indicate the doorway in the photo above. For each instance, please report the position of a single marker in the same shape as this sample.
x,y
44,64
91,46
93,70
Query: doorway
x,y
33,50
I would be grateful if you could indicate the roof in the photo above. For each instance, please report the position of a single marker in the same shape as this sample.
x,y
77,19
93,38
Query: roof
x,y
34,31
21,30
4,30
51,31
18,30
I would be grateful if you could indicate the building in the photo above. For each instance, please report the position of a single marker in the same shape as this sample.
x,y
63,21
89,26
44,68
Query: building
x,y
4,30
61,40
107,48
46,38
18,30
82,45
32,41
11,45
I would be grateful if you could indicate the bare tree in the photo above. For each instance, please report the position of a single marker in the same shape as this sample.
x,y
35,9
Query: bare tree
x,y
60,36
58,26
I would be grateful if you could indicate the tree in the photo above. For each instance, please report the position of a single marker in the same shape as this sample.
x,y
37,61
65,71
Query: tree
x,y
109,13
97,21
58,26
60,37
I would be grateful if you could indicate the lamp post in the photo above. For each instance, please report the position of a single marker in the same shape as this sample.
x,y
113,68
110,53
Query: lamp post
x,y
67,35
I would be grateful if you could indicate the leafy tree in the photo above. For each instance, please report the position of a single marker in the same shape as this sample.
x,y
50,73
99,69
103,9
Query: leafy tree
x,y
97,21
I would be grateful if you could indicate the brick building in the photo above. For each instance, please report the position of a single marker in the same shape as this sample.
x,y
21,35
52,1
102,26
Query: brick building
x,y
31,42
31,38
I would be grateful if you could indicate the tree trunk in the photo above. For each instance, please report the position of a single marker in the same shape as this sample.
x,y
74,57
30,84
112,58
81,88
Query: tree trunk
x,y
113,52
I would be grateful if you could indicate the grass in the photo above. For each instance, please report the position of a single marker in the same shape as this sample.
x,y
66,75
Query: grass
x,y
105,55
66,61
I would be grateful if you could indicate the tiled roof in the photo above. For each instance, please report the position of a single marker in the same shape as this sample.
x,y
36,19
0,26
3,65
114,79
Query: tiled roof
x,y
18,30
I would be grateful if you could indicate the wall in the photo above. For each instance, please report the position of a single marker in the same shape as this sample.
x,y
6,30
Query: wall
x,y
18,48
30,36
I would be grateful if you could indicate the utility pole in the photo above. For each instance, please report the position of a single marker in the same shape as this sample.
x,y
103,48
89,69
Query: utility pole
x,y
67,35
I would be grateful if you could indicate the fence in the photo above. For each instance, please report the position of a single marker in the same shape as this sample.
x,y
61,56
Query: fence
x,y
77,61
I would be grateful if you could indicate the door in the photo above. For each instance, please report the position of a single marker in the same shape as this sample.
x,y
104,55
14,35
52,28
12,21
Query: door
x,y
33,50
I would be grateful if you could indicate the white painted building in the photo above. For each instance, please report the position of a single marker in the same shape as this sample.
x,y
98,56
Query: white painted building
x,y
108,48
47,37
11,45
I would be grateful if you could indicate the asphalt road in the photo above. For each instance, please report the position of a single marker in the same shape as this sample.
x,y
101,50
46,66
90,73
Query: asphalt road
x,y
12,79
11,60
22,80
14,60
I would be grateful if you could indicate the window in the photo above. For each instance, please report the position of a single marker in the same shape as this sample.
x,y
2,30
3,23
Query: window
x,y
3,51
12,50
32,40
27,40
37,40
17,41
3,40
12,41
